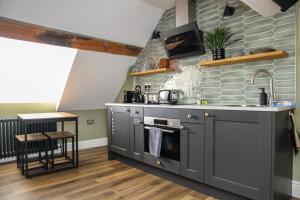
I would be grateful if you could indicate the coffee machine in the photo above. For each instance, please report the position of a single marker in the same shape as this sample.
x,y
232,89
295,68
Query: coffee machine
x,y
137,97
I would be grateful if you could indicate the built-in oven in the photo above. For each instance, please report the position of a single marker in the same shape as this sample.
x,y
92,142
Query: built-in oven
x,y
170,145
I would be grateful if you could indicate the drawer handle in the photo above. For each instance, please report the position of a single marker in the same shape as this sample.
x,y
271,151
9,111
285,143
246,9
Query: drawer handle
x,y
158,162
206,115
140,122
136,112
127,110
189,116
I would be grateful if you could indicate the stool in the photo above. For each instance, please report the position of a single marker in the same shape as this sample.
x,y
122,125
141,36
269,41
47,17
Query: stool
x,y
35,142
64,136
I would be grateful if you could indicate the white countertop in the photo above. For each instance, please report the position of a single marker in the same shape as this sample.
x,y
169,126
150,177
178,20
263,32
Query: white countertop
x,y
209,107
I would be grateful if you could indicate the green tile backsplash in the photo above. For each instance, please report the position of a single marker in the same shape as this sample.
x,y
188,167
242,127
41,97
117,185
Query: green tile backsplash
x,y
229,84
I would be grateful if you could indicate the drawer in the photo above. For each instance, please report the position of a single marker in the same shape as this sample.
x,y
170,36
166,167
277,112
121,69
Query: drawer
x,y
137,112
192,116
193,128
119,109
165,164
162,112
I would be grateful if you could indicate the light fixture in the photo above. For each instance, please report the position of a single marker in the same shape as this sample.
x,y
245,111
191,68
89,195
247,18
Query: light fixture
x,y
228,12
155,35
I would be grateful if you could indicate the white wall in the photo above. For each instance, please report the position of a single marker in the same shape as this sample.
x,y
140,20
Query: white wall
x,y
128,21
95,79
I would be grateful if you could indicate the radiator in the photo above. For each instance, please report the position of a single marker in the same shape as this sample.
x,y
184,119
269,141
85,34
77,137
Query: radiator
x,y
9,128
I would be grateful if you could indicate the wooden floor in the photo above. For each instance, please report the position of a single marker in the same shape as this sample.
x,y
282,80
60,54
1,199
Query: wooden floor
x,y
95,179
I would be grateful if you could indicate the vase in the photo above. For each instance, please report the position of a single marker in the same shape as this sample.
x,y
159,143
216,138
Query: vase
x,y
218,54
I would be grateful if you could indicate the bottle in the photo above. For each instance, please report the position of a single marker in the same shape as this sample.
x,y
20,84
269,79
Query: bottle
x,y
198,98
263,98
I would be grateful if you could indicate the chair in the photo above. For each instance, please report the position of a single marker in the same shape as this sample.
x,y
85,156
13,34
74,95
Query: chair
x,y
54,137
36,142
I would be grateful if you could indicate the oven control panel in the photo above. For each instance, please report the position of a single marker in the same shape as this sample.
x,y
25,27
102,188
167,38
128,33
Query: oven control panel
x,y
164,122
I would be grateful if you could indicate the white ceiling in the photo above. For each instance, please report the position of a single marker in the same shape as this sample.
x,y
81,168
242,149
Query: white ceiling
x,y
264,7
95,79
162,4
127,21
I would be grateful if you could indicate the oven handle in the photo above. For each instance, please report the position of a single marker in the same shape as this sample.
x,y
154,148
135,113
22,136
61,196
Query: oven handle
x,y
164,130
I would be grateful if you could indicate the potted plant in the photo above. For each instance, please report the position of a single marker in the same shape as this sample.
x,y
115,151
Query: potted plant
x,y
218,40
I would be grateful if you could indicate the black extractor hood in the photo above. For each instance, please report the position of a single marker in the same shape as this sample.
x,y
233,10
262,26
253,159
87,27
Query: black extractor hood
x,y
183,41
285,4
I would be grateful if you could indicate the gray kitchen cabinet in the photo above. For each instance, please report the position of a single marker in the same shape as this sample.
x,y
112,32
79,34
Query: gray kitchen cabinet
x,y
120,130
136,138
192,151
238,153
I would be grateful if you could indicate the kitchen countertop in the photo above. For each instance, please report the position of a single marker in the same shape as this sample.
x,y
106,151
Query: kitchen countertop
x,y
209,107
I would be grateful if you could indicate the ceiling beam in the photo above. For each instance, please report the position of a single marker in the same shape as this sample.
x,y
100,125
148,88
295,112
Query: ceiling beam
x,y
34,33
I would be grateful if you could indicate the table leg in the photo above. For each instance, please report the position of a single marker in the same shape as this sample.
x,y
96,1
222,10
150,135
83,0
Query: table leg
x,y
25,150
77,154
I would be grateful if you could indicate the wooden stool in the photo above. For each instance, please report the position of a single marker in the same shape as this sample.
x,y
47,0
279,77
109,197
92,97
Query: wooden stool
x,y
64,136
34,140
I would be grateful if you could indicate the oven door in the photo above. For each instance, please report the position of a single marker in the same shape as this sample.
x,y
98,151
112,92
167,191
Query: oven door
x,y
170,150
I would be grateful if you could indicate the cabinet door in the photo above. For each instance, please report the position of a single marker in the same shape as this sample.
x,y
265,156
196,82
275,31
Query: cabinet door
x,y
120,122
238,152
136,138
192,151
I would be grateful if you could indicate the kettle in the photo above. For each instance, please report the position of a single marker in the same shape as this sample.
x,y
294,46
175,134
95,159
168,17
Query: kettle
x,y
138,97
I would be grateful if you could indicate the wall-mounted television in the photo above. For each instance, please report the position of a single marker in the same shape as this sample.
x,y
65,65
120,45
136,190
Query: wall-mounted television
x,y
183,41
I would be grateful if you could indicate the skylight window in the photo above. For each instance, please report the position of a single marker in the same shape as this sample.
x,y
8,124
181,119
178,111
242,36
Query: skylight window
x,y
32,72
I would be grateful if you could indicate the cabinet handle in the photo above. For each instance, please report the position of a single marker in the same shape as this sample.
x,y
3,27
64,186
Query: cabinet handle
x,y
140,122
189,116
136,112
206,115
158,162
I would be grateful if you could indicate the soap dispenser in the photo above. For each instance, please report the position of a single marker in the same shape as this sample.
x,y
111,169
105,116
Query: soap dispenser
x,y
263,99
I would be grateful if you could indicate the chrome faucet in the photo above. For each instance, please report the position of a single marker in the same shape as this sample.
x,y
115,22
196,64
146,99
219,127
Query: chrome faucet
x,y
272,96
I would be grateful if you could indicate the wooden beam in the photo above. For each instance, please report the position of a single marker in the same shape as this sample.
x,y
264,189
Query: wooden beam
x,y
33,33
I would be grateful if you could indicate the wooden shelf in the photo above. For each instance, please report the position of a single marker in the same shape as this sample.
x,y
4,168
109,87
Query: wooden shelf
x,y
245,59
153,71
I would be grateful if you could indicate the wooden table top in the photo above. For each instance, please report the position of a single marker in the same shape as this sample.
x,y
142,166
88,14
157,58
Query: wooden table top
x,y
38,116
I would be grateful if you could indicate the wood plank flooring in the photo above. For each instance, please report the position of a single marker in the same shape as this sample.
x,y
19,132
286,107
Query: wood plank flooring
x,y
95,179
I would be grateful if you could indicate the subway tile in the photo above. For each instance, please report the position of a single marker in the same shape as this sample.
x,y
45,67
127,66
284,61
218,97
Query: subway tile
x,y
229,84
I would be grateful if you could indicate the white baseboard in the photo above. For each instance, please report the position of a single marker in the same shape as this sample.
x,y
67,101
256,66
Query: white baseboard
x,y
86,144
296,189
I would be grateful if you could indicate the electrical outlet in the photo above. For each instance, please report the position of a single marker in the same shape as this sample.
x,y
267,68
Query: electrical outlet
x,y
90,121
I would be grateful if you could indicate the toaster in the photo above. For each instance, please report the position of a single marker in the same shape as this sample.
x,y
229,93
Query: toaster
x,y
169,96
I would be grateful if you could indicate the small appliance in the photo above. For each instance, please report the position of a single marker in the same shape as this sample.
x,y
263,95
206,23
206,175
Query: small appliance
x,y
137,97
169,96
128,96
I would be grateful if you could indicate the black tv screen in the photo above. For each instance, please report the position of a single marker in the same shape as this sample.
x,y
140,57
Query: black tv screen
x,y
184,41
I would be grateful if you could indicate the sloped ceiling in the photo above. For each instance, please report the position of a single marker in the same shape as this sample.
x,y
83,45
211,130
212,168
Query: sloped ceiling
x,y
95,78
264,7
165,4
127,21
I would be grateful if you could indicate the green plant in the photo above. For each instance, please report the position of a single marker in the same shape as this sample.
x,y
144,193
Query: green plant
x,y
219,38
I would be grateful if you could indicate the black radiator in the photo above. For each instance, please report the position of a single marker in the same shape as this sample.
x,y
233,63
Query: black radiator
x,y
9,128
